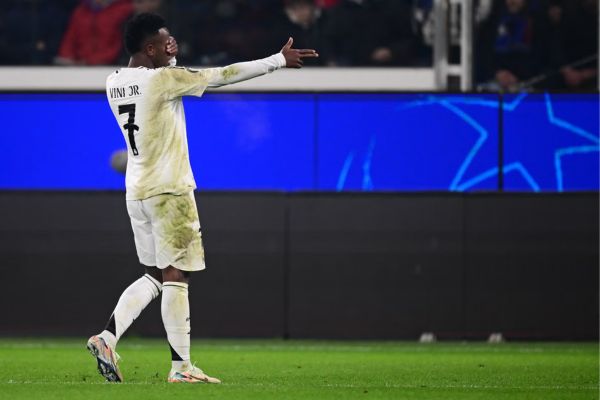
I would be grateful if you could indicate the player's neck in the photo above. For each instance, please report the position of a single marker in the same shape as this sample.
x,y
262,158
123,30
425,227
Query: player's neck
x,y
140,60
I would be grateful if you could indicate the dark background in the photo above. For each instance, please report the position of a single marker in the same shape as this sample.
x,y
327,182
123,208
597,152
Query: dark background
x,y
317,265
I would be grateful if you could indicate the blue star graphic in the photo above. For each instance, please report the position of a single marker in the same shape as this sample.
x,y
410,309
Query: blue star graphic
x,y
453,103
367,180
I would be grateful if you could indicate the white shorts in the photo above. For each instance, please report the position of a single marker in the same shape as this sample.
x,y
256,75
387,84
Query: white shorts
x,y
166,229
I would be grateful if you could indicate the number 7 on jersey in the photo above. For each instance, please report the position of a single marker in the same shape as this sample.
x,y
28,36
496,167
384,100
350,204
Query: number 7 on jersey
x,y
130,126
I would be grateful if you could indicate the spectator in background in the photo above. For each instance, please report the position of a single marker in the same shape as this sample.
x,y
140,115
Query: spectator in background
x,y
147,6
325,4
225,31
304,21
578,39
423,22
94,35
511,44
370,33
30,32
570,35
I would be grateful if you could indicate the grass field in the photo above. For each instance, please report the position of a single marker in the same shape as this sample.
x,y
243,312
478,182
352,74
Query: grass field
x,y
274,369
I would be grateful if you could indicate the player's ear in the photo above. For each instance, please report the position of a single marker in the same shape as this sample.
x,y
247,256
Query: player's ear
x,y
150,49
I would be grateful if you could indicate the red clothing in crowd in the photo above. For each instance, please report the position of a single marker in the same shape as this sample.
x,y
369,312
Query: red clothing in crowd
x,y
95,37
327,3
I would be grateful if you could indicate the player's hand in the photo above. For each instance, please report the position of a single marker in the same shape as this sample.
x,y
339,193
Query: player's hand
x,y
172,48
293,57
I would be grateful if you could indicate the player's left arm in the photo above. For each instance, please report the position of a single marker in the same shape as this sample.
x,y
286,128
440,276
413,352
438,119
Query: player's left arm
x,y
287,58
177,81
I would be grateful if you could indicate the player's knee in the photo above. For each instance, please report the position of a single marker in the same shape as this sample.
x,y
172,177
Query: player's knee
x,y
172,274
155,273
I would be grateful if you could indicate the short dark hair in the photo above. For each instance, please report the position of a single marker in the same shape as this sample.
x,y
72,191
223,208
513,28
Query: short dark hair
x,y
140,28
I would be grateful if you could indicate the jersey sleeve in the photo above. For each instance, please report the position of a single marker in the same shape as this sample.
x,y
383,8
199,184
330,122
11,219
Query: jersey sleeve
x,y
176,82
179,81
243,71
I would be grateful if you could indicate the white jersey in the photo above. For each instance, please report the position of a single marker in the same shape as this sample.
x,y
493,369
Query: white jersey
x,y
148,108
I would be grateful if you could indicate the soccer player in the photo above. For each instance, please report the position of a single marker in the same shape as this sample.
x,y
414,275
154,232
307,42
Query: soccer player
x,y
146,100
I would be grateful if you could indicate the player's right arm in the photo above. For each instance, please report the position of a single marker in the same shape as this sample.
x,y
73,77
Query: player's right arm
x,y
189,82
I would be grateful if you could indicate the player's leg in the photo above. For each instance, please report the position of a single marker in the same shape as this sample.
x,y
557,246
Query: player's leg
x,y
175,310
179,252
132,301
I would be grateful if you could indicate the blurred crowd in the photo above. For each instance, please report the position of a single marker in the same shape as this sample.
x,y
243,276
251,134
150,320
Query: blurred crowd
x,y
549,43
518,42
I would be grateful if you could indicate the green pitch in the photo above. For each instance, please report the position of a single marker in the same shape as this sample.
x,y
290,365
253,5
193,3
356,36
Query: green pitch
x,y
272,369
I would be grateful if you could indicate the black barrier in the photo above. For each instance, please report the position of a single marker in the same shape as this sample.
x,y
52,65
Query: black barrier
x,y
375,266
378,266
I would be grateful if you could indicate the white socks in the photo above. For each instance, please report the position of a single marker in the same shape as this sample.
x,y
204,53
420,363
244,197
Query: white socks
x,y
175,310
131,303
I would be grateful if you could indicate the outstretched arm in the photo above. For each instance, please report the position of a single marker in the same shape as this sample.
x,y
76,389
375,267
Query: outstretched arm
x,y
238,72
179,81
288,57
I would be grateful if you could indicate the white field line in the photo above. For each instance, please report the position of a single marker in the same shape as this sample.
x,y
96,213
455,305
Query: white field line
x,y
330,385
416,348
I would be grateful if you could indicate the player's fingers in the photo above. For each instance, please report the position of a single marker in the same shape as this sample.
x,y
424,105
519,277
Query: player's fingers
x,y
307,51
310,55
288,45
172,45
